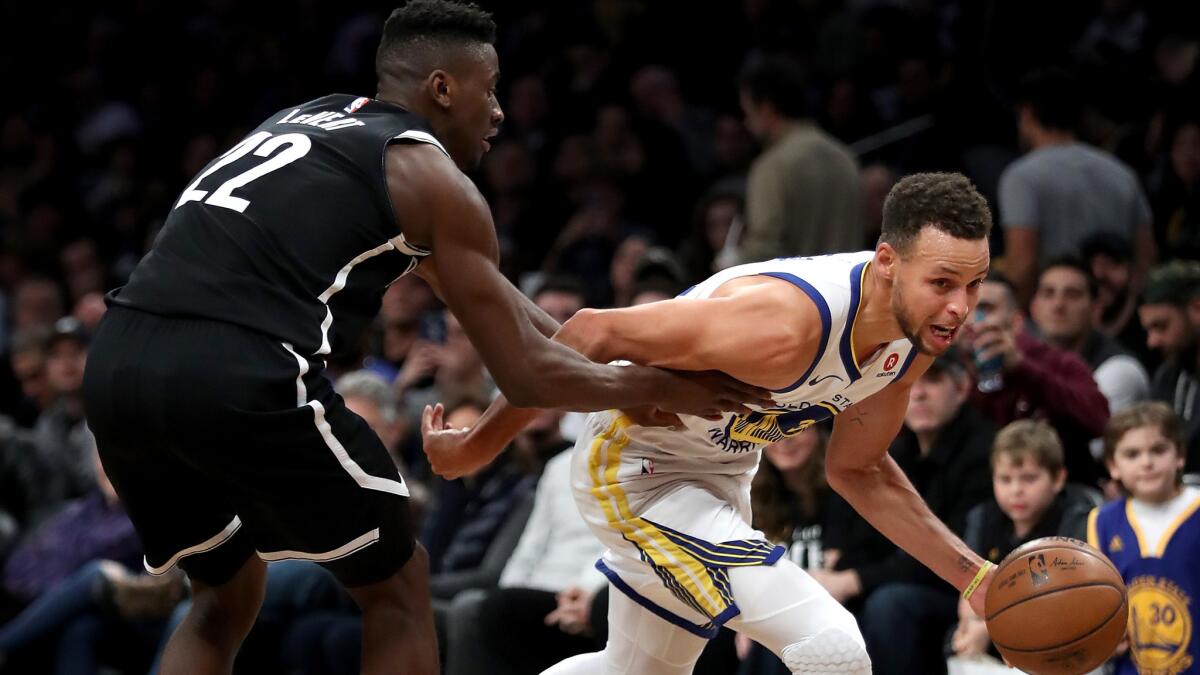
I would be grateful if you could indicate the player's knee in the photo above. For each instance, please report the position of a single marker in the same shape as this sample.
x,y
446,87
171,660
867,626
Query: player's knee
x,y
833,650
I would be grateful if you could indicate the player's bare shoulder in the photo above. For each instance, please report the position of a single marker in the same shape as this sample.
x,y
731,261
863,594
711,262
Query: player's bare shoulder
x,y
426,187
780,303
785,320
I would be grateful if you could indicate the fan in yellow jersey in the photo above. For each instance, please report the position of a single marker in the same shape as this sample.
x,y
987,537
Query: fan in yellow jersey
x,y
840,336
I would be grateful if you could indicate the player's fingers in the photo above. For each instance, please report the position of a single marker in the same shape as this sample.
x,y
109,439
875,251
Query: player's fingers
x,y
736,407
426,417
437,420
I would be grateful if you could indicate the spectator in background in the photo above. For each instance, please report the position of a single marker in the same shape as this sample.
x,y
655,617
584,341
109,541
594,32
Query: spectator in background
x,y
61,433
712,221
803,196
658,275
37,303
943,449
27,359
1114,313
1063,190
1175,192
658,98
560,296
405,303
1037,379
1063,308
372,398
1150,535
442,366
469,516
22,475
82,269
88,601
1028,477
548,577
1170,313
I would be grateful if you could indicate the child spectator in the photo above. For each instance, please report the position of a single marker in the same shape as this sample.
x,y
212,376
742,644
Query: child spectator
x,y
1152,535
1028,477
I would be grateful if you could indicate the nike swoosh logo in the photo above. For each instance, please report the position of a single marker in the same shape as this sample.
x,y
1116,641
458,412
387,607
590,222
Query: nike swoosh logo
x,y
818,380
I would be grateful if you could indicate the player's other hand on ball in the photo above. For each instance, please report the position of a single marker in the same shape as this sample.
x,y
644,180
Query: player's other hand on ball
x,y
446,448
970,638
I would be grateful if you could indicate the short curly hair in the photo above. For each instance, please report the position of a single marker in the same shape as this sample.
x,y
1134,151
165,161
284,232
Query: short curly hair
x,y
443,21
946,201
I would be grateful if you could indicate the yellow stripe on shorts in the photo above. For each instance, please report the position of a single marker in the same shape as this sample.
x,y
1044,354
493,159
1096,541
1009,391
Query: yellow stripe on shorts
x,y
689,573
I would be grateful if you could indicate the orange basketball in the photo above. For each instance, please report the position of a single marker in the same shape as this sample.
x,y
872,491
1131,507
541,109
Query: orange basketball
x,y
1056,607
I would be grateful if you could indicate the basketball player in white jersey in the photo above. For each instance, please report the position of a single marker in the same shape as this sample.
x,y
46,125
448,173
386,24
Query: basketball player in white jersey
x,y
842,337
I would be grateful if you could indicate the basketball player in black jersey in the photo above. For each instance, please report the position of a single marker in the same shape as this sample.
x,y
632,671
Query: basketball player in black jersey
x,y
205,385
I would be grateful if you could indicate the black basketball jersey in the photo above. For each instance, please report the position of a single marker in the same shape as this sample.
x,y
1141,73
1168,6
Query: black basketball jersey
x,y
290,232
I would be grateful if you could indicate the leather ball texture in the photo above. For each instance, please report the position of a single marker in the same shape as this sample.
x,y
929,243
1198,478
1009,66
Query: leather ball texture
x,y
1056,606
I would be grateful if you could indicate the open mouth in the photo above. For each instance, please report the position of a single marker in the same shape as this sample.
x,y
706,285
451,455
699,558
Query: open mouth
x,y
943,335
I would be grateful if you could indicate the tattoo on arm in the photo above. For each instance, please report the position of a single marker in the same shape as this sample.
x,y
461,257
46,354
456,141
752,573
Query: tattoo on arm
x,y
965,564
858,418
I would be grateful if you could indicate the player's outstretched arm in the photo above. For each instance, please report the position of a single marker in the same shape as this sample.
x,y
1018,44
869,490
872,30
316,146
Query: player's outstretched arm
x,y
758,331
438,206
860,469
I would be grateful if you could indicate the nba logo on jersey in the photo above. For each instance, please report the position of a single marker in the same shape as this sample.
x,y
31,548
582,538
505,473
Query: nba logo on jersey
x,y
356,104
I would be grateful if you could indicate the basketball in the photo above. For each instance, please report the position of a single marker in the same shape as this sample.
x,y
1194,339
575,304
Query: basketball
x,y
1056,607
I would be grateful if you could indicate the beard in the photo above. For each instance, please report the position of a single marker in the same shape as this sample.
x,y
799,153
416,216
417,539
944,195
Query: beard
x,y
909,327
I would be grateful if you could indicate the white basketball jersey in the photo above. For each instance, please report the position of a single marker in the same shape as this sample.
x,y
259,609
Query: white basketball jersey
x,y
833,382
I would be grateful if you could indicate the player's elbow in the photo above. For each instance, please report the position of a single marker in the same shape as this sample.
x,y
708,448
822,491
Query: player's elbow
x,y
522,395
846,476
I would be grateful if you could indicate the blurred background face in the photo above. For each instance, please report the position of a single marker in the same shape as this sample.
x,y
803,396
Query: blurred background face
x,y
1024,489
387,430
64,366
755,118
1147,464
718,219
793,452
1167,329
36,303
934,400
1062,305
1112,279
1027,126
29,367
463,417
458,355
560,305
1185,153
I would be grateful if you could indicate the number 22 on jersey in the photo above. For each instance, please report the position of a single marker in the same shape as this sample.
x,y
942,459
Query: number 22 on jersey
x,y
263,144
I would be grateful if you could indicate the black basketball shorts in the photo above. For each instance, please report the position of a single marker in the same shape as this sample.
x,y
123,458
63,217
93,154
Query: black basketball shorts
x,y
223,443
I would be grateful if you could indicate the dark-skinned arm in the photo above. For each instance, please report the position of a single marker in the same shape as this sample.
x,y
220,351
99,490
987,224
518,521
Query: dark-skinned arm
x,y
438,206
545,324
684,334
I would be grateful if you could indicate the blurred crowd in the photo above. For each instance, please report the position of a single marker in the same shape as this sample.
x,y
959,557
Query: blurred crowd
x,y
645,146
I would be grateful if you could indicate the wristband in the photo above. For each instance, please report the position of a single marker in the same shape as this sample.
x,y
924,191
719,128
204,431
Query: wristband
x,y
983,570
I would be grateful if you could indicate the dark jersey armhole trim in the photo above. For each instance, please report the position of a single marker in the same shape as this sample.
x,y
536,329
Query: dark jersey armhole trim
x,y
407,138
826,321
